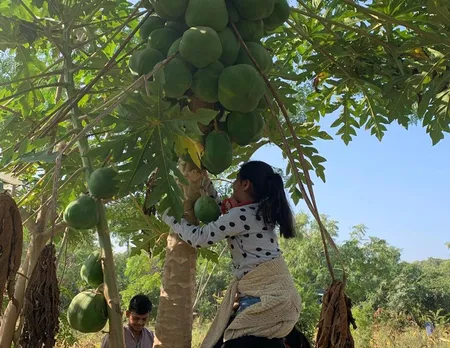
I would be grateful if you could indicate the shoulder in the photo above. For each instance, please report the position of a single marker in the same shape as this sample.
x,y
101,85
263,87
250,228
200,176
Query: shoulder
x,y
244,210
149,332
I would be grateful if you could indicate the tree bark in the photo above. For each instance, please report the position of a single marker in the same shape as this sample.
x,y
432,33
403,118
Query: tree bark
x,y
174,320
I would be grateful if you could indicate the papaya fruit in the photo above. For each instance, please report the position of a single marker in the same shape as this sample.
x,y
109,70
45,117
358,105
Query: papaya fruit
x,y
87,312
103,183
217,155
206,209
151,24
207,13
230,47
240,88
169,9
143,61
178,26
254,9
251,30
200,46
205,82
82,214
178,78
258,52
91,271
162,39
233,13
244,129
279,15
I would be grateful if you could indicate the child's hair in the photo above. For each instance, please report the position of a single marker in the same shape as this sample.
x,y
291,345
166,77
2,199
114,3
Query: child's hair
x,y
140,304
268,190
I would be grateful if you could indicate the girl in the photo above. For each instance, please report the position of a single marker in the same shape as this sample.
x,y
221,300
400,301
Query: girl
x,y
268,302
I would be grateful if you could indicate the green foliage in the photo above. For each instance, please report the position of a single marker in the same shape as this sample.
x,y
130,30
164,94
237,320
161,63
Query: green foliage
x,y
148,128
374,64
143,275
363,314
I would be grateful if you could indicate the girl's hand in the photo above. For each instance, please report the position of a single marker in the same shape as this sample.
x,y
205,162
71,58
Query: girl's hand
x,y
227,204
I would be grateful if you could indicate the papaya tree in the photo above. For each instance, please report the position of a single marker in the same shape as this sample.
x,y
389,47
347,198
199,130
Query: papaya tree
x,y
163,128
59,49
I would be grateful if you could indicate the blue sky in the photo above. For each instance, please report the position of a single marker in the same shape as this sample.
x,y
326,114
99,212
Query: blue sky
x,y
399,187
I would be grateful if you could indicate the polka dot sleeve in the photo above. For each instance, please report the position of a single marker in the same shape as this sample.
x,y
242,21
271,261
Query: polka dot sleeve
x,y
211,190
227,225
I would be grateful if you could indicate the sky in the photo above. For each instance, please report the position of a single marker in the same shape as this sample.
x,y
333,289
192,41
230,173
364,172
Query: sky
x,y
399,187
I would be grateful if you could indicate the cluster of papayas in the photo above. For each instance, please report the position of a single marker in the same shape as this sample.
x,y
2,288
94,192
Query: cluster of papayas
x,y
211,65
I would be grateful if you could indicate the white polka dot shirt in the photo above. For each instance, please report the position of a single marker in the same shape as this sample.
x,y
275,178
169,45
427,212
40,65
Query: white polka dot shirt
x,y
251,242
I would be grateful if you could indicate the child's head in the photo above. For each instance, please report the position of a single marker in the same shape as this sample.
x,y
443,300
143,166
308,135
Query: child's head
x,y
257,182
138,312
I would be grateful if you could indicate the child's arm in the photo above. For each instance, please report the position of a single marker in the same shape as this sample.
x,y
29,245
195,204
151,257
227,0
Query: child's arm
x,y
227,225
211,192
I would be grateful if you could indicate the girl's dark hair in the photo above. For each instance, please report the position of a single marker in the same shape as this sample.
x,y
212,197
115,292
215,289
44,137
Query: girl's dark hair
x,y
268,190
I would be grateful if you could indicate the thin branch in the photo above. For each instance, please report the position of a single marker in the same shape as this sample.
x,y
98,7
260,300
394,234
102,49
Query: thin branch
x,y
83,25
58,228
29,90
40,181
10,110
74,174
84,43
25,216
58,165
51,73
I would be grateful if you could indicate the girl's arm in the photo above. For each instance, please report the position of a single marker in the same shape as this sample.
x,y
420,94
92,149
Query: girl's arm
x,y
211,191
227,225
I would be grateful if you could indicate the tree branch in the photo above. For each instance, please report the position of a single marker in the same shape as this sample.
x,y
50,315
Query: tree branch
x,y
51,73
31,89
25,215
59,227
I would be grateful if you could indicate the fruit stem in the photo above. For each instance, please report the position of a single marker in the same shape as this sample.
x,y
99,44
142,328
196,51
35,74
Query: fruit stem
x,y
216,125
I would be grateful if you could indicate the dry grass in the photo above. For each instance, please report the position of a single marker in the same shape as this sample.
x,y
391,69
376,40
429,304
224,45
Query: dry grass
x,y
383,337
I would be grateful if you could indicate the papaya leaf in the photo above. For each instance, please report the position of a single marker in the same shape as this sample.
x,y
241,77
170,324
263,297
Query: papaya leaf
x,y
41,156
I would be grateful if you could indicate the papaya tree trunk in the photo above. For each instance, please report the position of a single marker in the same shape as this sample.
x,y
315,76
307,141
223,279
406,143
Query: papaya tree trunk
x,y
111,292
175,316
